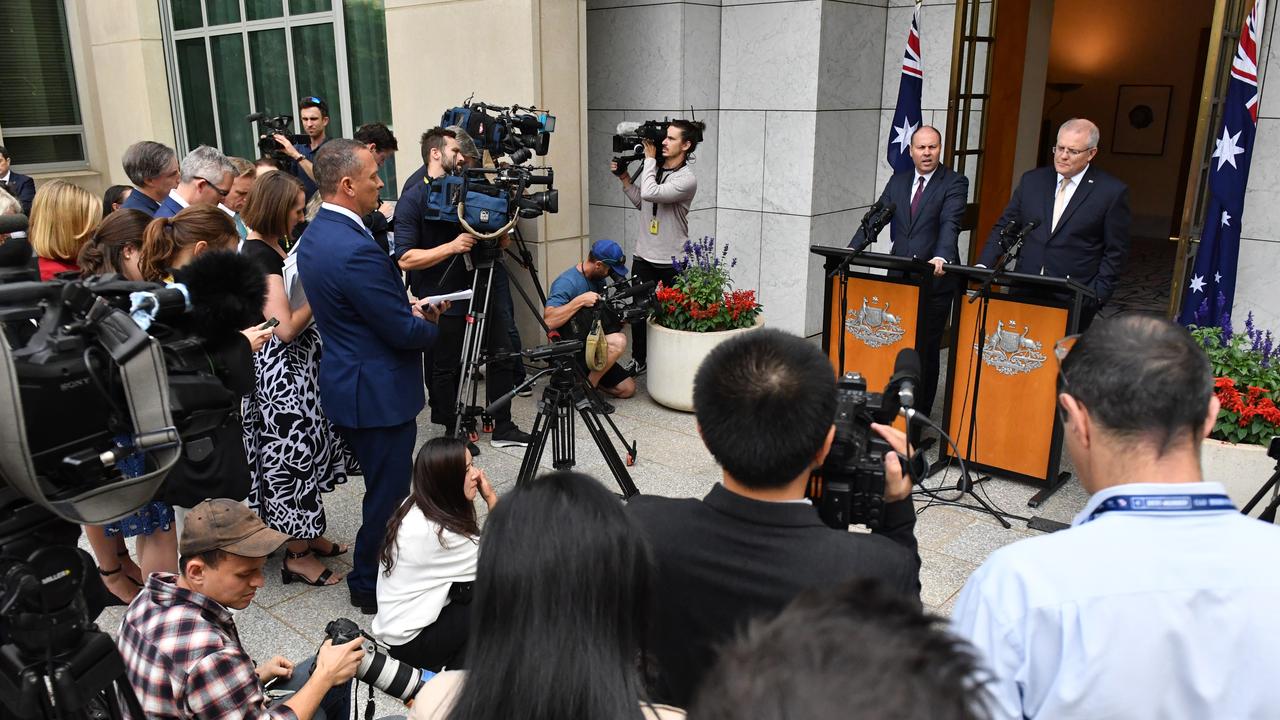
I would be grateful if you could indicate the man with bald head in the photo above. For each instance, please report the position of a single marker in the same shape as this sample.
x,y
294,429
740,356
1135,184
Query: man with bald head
x,y
928,200
1083,214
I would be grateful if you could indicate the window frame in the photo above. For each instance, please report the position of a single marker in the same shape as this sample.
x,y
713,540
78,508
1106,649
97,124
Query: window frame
x,y
286,22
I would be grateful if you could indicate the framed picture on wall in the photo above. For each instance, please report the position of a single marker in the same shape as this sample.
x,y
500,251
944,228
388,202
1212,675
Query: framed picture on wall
x,y
1142,119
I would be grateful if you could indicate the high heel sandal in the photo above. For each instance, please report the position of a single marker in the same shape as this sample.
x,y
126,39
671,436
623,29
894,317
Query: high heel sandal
x,y
109,573
335,549
124,553
287,576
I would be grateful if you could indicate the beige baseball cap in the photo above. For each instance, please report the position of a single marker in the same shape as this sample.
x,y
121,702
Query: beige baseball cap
x,y
222,524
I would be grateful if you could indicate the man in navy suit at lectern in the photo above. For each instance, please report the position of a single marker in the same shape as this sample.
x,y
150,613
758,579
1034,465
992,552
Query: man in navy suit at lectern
x,y
929,200
1083,216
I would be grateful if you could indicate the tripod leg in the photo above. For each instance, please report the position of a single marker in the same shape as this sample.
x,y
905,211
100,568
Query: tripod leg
x,y
620,474
563,442
990,510
533,453
472,340
1262,491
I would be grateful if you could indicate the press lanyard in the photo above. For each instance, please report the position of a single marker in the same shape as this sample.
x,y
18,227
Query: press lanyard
x,y
660,175
1162,504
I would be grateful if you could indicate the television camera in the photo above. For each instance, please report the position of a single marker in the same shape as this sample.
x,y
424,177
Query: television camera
x,y
629,139
269,126
517,132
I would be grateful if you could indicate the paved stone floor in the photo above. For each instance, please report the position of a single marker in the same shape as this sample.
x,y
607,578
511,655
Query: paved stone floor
x,y
289,619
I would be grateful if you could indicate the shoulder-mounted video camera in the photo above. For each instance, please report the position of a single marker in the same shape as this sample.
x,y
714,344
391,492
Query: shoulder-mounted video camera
x,y
511,130
629,137
269,126
620,303
487,202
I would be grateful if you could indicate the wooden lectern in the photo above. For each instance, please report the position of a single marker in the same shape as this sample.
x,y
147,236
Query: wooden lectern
x,y
1010,424
881,314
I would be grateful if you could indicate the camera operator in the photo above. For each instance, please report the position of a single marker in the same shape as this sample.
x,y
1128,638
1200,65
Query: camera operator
x,y
663,194
572,302
430,251
313,113
765,403
383,144
179,640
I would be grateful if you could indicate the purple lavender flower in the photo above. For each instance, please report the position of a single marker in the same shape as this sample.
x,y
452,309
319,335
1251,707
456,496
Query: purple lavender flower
x,y
1202,313
1248,324
734,264
1226,332
1266,350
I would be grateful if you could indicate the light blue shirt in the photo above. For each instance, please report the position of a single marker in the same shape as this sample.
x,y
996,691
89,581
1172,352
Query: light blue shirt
x,y
1132,615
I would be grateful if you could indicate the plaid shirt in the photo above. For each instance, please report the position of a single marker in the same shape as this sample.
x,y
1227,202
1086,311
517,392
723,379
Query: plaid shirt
x,y
184,659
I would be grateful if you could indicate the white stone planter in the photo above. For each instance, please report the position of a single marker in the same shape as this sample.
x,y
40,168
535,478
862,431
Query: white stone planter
x,y
674,357
1242,469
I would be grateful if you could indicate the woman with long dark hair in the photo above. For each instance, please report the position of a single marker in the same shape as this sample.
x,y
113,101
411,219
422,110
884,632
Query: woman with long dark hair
x,y
429,558
560,612
294,452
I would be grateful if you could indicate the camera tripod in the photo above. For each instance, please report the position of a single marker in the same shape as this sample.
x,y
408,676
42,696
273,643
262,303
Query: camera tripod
x,y
1272,485
54,662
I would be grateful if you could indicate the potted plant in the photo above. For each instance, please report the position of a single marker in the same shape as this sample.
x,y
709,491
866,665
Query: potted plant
x,y
1246,369
698,312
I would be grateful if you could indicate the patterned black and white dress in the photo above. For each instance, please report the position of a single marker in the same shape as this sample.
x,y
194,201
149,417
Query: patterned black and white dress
x,y
294,452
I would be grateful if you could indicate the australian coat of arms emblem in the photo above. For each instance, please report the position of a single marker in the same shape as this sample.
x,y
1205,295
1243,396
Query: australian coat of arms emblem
x,y
874,325
1012,352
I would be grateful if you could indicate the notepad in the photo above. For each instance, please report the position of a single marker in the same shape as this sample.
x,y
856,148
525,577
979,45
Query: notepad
x,y
451,297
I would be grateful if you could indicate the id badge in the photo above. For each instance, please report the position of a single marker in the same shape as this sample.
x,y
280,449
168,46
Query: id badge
x,y
653,226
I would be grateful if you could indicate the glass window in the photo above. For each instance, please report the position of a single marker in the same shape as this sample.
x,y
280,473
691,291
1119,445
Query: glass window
x,y
40,111
366,35
315,70
197,100
231,87
186,14
263,9
222,12
302,7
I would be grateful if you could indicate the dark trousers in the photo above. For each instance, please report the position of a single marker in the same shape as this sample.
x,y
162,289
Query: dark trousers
x,y
446,366
441,644
937,309
502,295
335,704
386,455
646,271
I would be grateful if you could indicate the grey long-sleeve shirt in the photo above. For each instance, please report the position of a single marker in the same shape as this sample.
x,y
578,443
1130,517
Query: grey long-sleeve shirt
x,y
671,198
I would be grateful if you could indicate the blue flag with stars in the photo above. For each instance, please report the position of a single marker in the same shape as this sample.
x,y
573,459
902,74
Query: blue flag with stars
x,y
1212,287
907,117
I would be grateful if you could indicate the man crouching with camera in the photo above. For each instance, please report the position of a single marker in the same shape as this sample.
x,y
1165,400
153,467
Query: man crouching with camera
x,y
573,303
180,645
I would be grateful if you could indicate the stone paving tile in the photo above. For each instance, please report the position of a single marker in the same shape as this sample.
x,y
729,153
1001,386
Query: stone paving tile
x,y
941,576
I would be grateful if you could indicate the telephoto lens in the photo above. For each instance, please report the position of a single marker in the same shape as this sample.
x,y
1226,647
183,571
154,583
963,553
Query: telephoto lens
x,y
379,669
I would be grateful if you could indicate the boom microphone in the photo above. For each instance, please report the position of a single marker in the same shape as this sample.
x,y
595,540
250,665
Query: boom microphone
x,y
627,127
226,291
255,117
906,375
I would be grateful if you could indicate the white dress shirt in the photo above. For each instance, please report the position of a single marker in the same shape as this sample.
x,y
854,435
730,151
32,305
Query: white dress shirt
x,y
178,199
1072,184
417,589
1156,614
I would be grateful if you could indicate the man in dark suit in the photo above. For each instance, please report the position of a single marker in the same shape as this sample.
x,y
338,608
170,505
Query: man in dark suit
x,y
153,170
929,201
24,188
1083,214
765,403
205,180
371,371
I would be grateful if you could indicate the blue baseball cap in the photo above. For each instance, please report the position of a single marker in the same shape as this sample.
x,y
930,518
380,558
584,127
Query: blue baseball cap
x,y
610,253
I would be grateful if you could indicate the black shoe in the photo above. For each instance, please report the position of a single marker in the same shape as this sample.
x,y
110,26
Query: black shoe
x,y
473,449
638,367
366,604
510,437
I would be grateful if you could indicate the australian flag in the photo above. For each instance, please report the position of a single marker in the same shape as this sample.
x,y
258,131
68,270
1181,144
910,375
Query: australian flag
x,y
907,116
1212,287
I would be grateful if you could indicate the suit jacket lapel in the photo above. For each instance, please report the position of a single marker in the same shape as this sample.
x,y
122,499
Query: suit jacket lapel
x,y
1077,199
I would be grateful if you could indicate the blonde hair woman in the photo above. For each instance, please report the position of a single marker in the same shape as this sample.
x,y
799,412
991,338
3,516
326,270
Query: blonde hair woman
x,y
63,218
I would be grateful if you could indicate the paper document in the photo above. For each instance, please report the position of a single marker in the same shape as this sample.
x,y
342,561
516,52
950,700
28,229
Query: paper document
x,y
451,297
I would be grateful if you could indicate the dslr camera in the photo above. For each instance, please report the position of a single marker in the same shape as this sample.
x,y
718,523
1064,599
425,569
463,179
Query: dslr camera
x,y
377,668
849,489
629,137
277,125
511,130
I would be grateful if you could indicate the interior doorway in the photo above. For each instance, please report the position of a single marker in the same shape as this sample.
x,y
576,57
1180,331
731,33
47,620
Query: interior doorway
x,y
1135,69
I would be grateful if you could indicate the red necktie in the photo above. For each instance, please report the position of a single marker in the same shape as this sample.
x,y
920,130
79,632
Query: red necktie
x,y
915,199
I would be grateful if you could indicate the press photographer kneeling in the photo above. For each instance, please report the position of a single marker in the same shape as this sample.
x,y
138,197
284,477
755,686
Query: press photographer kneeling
x,y
179,640
574,304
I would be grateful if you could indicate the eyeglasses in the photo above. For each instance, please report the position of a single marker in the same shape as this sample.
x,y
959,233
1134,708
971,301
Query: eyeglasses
x,y
220,191
1072,152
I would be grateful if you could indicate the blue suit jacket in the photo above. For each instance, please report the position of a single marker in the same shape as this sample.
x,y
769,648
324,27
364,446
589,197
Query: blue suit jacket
x,y
168,208
371,368
24,189
1092,238
139,201
935,230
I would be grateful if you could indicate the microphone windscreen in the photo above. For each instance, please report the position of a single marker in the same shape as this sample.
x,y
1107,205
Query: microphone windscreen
x,y
254,117
227,291
16,222
907,364
627,127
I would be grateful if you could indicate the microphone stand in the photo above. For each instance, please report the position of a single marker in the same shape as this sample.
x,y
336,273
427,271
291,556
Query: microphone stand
x,y
965,484
869,231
